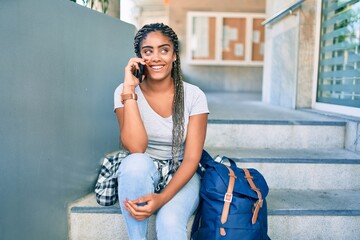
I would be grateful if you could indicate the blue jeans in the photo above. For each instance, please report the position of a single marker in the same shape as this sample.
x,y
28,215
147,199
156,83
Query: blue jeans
x,y
137,177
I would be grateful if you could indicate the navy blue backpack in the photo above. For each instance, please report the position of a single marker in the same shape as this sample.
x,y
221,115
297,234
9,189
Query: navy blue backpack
x,y
232,202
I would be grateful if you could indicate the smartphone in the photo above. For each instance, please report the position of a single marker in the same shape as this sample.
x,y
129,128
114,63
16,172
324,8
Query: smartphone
x,y
139,73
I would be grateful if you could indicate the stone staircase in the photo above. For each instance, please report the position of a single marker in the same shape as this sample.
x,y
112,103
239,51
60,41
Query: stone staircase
x,y
314,181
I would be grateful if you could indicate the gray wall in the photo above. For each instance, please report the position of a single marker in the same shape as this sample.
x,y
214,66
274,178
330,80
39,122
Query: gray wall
x,y
59,66
224,78
283,69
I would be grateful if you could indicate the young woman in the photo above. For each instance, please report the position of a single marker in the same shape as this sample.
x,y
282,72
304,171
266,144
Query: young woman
x,y
163,126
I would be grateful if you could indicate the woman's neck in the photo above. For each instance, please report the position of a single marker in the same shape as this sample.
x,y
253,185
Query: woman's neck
x,y
156,86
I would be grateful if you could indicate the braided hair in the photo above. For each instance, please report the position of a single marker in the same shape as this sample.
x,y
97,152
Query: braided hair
x,y
178,102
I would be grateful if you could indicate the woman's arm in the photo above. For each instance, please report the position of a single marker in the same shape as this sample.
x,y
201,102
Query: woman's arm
x,y
193,148
132,129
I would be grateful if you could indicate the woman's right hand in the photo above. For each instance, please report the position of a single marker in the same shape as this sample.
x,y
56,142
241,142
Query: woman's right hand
x,y
130,81
148,205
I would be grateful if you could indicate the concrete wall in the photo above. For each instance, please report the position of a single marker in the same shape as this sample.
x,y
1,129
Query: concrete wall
x,y
289,56
59,66
307,51
352,140
216,78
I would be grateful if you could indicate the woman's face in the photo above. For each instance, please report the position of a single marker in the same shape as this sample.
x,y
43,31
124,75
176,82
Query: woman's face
x,y
158,52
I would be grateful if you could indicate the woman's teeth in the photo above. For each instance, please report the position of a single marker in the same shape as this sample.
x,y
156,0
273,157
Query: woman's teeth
x,y
157,67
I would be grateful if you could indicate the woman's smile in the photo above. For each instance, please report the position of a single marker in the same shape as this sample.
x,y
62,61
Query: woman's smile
x,y
157,67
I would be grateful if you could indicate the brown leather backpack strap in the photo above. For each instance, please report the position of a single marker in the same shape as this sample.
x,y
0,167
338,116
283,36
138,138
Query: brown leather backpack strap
x,y
259,202
227,200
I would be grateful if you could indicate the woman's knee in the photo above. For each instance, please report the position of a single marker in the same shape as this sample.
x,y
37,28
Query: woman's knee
x,y
137,164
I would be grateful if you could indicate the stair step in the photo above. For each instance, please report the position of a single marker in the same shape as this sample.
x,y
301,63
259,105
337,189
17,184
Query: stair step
x,y
238,108
254,124
308,214
281,202
285,202
299,169
315,156
91,221
276,134
340,208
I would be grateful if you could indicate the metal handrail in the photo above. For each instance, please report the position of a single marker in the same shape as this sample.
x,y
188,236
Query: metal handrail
x,y
279,15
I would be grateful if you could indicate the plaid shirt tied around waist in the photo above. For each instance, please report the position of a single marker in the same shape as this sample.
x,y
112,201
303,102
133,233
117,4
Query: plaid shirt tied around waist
x,y
106,185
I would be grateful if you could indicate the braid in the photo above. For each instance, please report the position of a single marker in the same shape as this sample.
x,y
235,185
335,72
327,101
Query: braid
x,y
178,111
176,74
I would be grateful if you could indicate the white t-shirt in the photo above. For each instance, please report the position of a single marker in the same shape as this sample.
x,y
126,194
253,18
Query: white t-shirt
x,y
159,129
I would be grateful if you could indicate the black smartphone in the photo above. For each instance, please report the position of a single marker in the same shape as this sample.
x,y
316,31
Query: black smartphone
x,y
139,73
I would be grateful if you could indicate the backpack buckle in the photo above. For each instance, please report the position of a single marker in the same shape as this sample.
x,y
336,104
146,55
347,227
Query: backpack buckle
x,y
228,197
259,202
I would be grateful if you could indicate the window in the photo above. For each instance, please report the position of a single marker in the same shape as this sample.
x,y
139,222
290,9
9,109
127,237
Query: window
x,y
215,38
339,59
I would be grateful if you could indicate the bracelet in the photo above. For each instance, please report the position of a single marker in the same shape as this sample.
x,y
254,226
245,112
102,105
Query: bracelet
x,y
125,97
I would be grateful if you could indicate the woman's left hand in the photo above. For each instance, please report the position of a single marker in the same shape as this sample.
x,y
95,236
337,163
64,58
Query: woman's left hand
x,y
143,207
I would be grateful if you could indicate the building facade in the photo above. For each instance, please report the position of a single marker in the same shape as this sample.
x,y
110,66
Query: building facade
x,y
309,51
312,56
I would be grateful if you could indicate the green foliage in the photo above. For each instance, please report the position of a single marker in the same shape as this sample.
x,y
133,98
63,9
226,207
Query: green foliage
x,y
91,3
352,23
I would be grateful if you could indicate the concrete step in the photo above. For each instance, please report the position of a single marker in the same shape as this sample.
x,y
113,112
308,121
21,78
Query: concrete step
x,y
238,120
91,221
292,214
276,134
309,214
300,169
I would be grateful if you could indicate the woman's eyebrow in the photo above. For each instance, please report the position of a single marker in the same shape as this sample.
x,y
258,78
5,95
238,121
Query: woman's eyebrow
x,y
163,45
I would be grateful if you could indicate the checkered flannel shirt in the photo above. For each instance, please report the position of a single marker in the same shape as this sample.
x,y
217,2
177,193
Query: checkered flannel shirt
x,y
106,185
